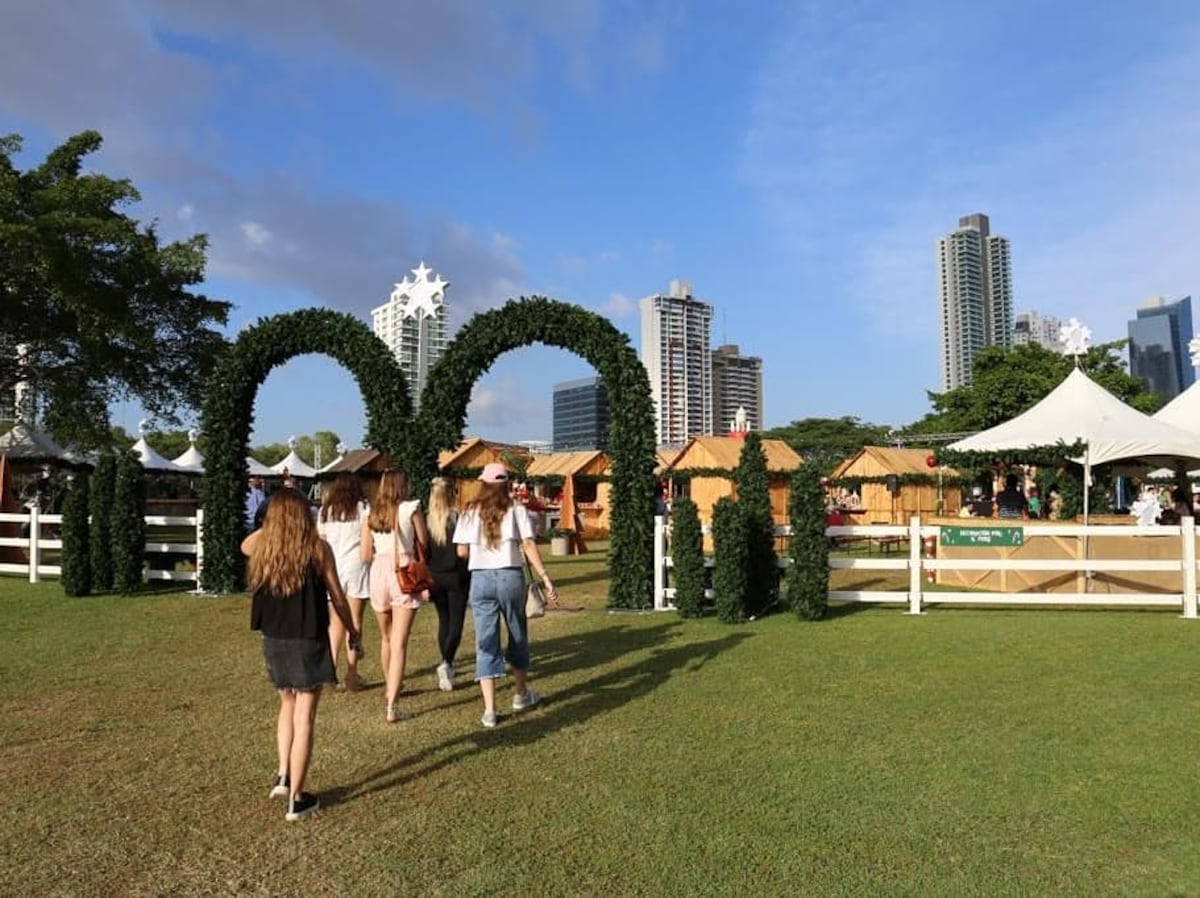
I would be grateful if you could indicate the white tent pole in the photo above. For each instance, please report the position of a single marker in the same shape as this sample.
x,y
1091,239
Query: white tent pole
x,y
1087,487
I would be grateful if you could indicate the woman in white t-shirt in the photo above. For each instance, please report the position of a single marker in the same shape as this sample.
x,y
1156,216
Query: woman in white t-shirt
x,y
492,534
339,523
387,540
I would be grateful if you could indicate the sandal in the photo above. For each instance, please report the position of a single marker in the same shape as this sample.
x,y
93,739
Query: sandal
x,y
395,715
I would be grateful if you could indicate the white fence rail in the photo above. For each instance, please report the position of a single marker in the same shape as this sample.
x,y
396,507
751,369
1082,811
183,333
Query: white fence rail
x,y
40,535
918,567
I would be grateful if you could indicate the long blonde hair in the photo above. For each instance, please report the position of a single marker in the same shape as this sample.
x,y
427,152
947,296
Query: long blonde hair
x,y
491,506
393,489
288,545
441,510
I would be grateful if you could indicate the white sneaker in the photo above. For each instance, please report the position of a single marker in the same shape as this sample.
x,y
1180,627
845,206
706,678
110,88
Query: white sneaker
x,y
489,719
526,699
445,675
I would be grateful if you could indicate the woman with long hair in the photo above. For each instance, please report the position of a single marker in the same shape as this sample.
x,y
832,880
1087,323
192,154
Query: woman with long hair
x,y
450,577
339,523
387,536
492,534
293,577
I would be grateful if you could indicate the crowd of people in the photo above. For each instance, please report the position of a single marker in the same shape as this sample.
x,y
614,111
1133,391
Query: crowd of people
x,y
312,575
1014,502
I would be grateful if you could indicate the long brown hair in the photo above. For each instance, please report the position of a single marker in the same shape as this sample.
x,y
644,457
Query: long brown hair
x,y
441,510
342,500
288,544
393,489
491,505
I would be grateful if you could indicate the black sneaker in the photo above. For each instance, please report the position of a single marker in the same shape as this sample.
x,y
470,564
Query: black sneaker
x,y
301,806
282,787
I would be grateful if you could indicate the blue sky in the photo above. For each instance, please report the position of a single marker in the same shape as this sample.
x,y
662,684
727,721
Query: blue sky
x,y
795,161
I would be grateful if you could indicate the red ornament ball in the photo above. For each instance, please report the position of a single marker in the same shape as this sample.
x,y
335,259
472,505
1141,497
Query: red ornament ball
x,y
931,461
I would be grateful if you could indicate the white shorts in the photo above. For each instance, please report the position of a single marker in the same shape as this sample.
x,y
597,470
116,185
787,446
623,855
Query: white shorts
x,y
356,580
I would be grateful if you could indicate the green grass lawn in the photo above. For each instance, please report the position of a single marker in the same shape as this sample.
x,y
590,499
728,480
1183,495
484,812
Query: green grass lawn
x,y
963,752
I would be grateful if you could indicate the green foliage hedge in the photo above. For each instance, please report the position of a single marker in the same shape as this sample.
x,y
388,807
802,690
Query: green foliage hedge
x,y
228,414
102,485
806,583
128,524
729,560
76,555
521,322
687,556
754,497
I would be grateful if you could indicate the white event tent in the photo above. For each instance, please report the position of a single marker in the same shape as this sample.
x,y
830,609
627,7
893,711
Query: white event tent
x,y
192,459
255,468
1079,409
295,465
151,460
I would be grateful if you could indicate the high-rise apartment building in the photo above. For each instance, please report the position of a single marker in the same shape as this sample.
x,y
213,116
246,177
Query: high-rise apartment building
x,y
580,415
1030,327
413,325
1158,346
975,295
737,383
676,329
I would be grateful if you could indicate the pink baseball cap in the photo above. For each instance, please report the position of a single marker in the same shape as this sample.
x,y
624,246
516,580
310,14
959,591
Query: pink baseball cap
x,y
494,472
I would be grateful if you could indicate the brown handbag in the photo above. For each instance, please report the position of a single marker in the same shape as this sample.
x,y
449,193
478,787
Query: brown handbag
x,y
414,577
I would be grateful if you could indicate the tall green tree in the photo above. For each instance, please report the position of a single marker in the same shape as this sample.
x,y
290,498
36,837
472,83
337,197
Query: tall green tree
x,y
1007,382
754,497
824,442
687,558
806,584
76,553
102,488
100,308
128,525
729,560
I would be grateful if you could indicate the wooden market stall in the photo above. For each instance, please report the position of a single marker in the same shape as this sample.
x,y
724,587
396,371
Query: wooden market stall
x,y
464,463
895,484
713,460
583,498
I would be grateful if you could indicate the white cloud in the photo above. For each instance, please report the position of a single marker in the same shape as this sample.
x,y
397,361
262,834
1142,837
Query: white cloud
x,y
502,404
185,212
256,234
618,305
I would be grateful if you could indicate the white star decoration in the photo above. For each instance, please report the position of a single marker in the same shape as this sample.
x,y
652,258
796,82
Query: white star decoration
x,y
421,295
1075,338
1194,350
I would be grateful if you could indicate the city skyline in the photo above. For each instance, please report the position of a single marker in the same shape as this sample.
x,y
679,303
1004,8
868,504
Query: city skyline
x,y
818,158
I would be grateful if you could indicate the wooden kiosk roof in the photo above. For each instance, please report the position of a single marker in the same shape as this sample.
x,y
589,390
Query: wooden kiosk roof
x,y
567,464
725,452
475,452
882,460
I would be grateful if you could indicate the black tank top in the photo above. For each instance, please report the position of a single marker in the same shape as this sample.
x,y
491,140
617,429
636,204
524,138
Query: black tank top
x,y
302,615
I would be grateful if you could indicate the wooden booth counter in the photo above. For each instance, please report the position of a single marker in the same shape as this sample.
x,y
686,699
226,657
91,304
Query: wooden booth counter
x,y
1037,540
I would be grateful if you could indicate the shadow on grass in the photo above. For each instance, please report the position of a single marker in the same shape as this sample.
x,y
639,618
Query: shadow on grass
x,y
594,577
570,707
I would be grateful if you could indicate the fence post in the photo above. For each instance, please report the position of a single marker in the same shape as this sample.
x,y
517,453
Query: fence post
x,y
914,565
35,551
199,546
660,533
1187,527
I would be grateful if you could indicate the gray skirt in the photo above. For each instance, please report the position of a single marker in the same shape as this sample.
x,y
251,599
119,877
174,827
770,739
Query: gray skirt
x,y
299,664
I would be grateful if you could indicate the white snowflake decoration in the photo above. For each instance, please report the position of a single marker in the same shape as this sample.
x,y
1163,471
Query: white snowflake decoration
x,y
1075,338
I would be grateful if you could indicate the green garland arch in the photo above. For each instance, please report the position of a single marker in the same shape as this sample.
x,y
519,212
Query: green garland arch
x,y
228,413
528,320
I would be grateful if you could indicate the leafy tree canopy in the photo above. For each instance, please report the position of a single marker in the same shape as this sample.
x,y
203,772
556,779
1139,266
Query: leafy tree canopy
x,y
824,442
306,446
102,307
1008,382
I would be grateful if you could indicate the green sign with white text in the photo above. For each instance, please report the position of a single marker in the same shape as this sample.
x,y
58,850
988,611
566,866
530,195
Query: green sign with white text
x,y
983,536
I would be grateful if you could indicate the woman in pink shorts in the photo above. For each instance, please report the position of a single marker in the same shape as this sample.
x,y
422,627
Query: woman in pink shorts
x,y
387,540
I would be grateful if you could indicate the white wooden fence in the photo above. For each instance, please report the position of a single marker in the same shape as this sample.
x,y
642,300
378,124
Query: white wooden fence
x,y
916,597
38,541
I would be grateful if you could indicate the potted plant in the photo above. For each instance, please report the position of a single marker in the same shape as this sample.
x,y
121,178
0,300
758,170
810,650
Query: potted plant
x,y
560,540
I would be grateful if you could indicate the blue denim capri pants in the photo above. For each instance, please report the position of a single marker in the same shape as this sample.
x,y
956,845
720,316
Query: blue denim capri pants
x,y
495,595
